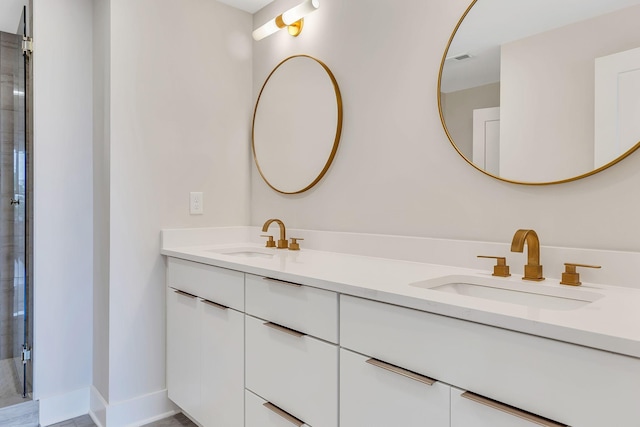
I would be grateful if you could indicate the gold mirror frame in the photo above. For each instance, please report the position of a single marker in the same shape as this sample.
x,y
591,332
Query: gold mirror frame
x,y
336,140
444,126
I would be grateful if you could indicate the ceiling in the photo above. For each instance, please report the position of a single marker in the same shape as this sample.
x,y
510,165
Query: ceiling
x,y
251,6
491,23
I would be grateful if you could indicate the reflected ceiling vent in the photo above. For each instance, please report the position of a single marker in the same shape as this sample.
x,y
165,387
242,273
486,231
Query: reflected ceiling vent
x,y
459,57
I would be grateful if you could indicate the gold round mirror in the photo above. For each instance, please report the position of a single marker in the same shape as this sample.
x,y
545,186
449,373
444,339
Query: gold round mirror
x,y
543,91
297,124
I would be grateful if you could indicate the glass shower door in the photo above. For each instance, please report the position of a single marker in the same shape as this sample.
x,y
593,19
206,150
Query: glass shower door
x,y
19,204
20,201
15,298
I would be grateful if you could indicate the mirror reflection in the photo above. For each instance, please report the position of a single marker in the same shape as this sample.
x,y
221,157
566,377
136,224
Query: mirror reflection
x,y
543,91
297,124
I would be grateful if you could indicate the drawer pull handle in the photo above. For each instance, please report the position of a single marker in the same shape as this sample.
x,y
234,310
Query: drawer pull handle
x,y
284,414
214,304
284,329
536,419
282,282
401,371
183,293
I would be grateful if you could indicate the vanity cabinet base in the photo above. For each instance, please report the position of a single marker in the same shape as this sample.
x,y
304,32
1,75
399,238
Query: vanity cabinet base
x,y
392,365
570,384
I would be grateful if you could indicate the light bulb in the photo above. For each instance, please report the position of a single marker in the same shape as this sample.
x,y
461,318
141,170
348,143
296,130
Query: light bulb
x,y
300,11
266,30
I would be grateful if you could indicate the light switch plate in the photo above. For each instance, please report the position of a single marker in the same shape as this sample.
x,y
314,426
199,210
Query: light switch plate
x,y
196,203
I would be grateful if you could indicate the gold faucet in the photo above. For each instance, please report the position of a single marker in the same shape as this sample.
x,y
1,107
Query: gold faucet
x,y
282,242
533,269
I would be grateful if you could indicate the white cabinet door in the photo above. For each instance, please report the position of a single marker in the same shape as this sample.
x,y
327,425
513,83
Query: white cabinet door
x,y
373,396
222,366
205,343
183,350
469,410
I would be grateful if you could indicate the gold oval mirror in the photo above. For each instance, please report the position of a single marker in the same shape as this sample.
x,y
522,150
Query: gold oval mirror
x,y
297,124
543,91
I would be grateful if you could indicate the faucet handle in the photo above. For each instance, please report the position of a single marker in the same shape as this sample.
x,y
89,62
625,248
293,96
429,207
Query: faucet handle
x,y
570,276
270,243
294,246
501,269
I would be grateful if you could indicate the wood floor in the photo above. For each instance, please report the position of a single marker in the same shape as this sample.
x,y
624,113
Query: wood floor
x,y
24,414
83,421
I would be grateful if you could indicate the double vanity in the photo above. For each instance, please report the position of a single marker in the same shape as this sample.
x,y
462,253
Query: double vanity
x,y
259,336
382,331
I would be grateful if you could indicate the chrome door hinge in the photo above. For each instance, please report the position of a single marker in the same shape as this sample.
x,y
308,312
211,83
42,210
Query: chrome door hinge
x,y
27,45
26,355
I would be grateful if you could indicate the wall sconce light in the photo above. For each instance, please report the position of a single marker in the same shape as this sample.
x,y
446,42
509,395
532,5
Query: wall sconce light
x,y
293,19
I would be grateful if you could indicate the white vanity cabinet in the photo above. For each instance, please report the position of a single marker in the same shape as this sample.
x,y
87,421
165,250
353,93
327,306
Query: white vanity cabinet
x,y
375,394
569,384
205,342
290,369
248,351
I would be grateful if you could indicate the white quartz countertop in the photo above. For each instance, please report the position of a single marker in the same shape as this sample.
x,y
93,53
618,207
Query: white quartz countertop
x,y
611,323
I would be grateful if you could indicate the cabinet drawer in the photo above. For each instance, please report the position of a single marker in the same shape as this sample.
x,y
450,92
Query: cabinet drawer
x,y
215,284
374,397
260,413
467,412
297,373
542,376
303,308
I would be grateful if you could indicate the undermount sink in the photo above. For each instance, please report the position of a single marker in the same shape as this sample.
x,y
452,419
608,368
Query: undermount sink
x,y
247,252
526,294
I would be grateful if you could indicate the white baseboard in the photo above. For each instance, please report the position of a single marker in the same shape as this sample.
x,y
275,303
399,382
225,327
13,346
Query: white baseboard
x,y
133,412
98,408
64,406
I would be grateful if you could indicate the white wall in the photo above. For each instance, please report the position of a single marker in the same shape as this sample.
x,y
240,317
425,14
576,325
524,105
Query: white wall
x,y
101,174
63,217
180,109
547,97
171,94
395,171
10,13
